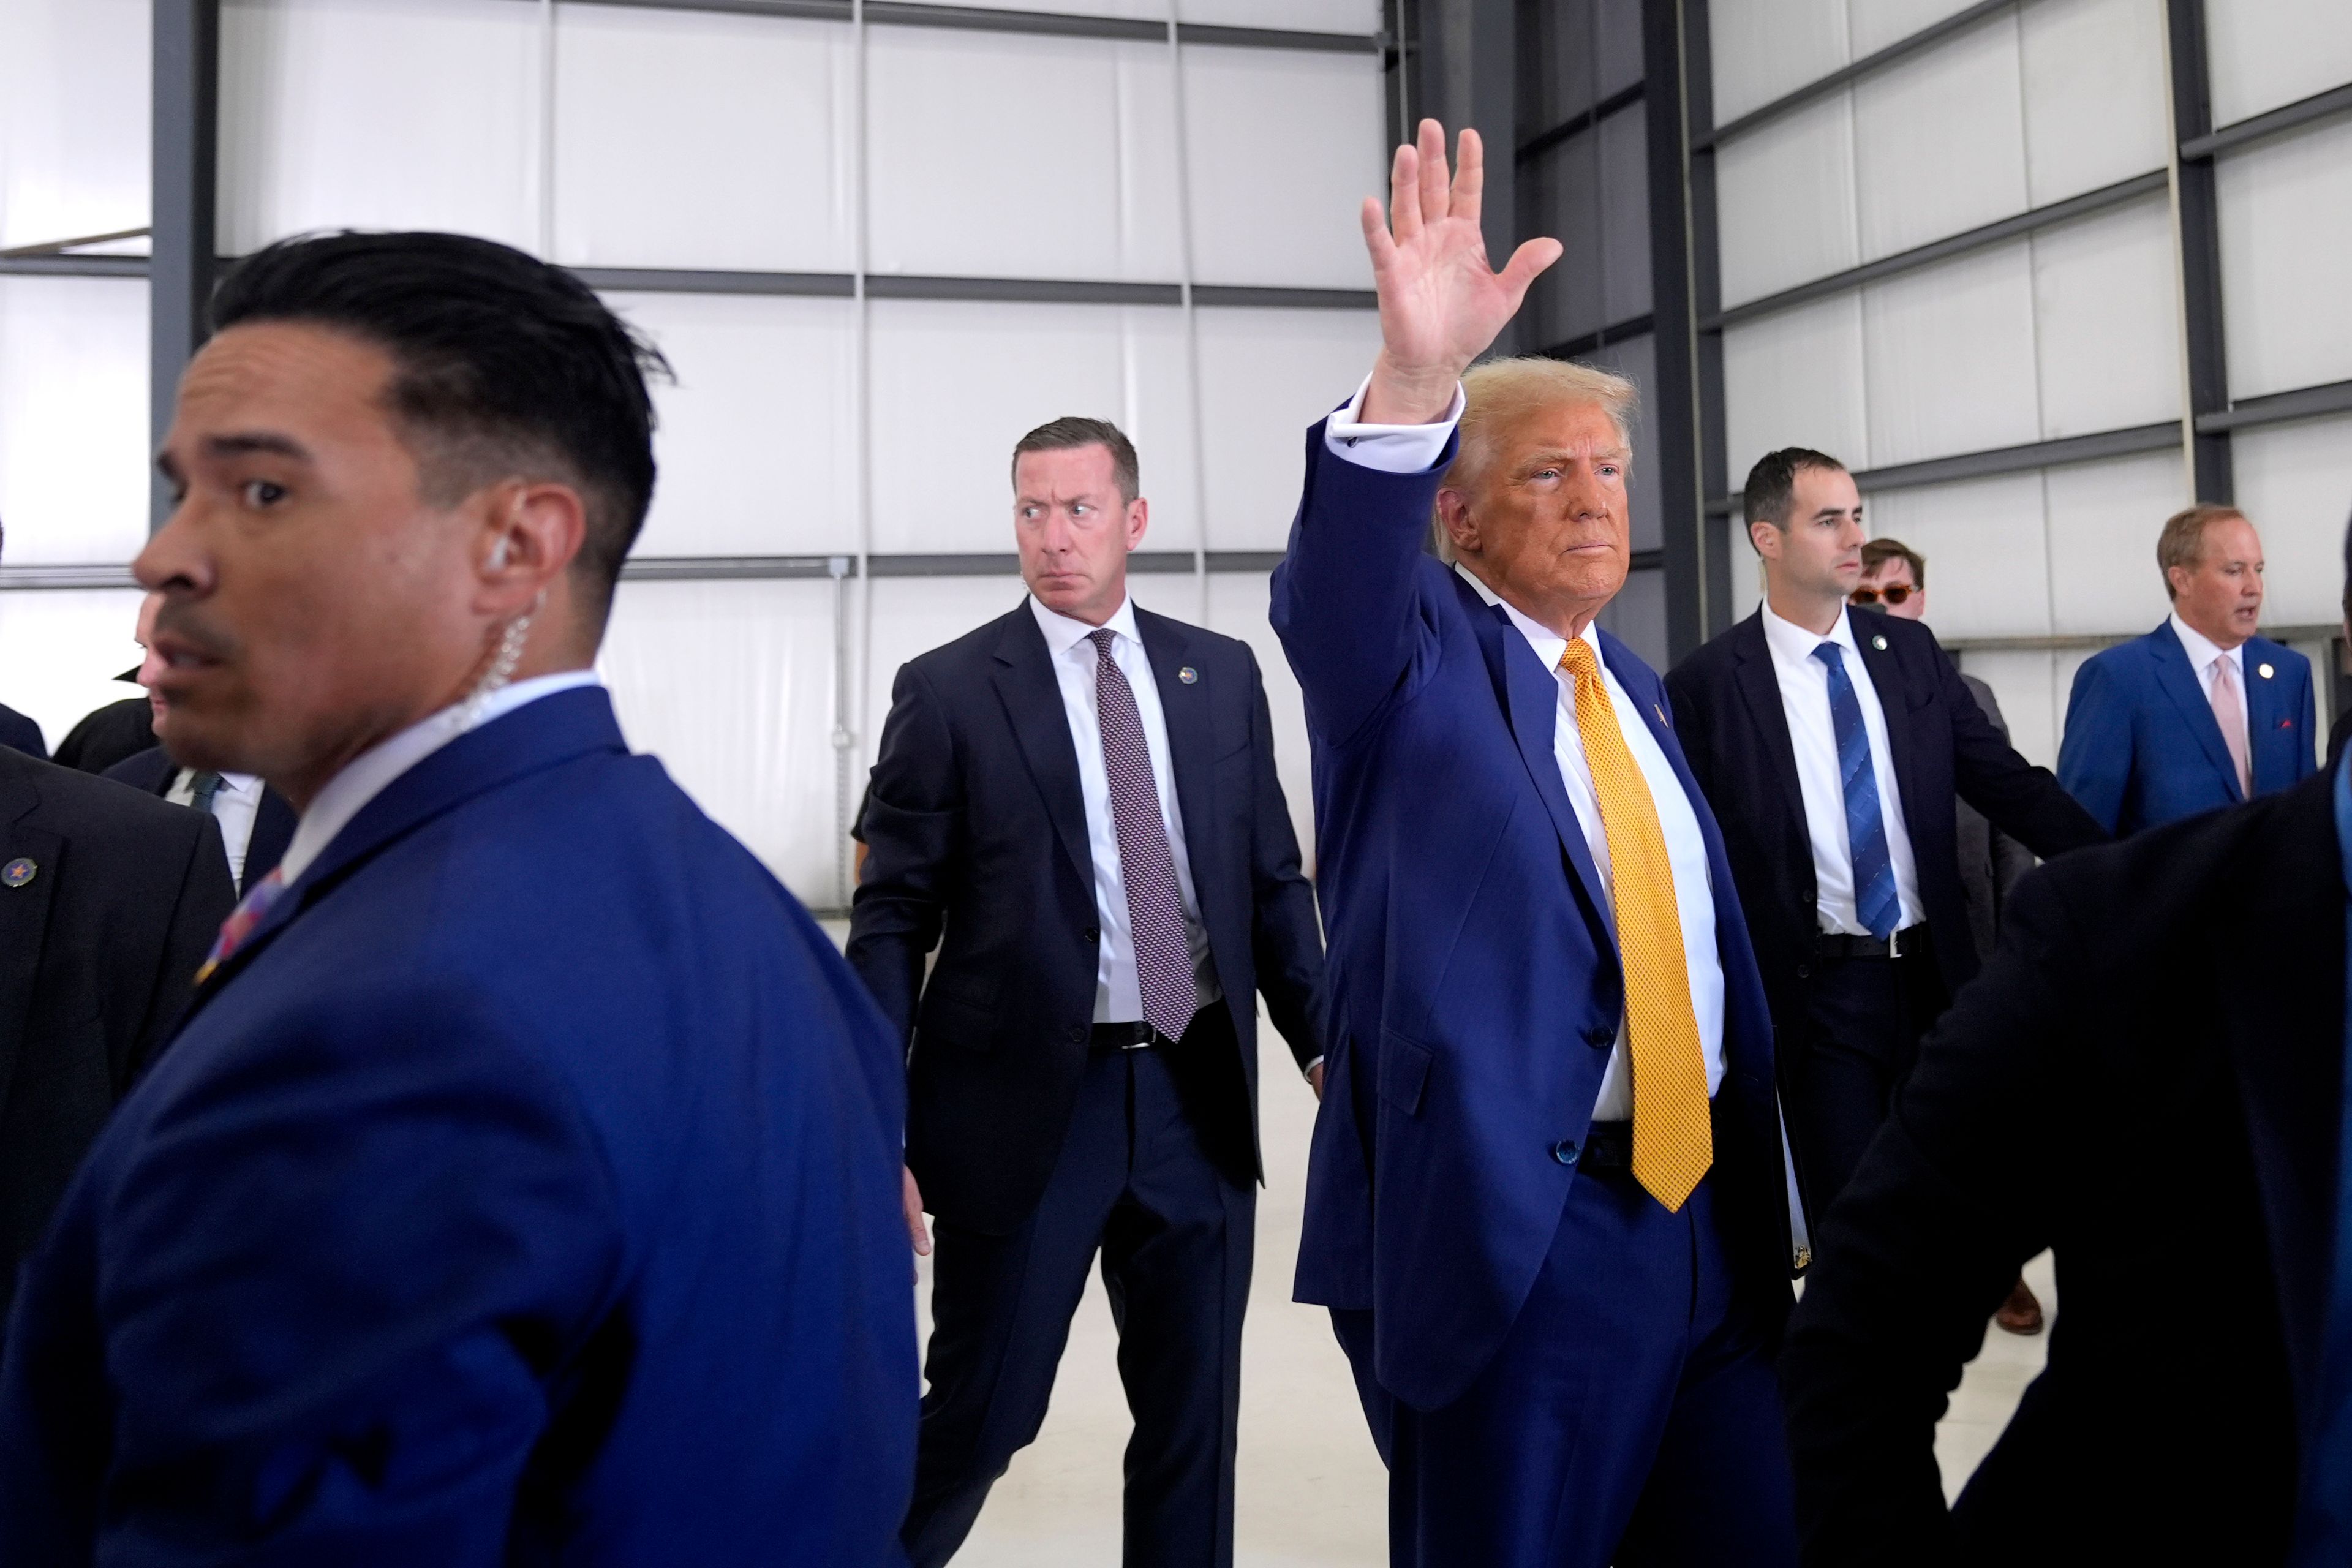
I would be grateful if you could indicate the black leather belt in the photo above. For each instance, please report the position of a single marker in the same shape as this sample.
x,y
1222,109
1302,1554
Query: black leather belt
x,y
1609,1145
1137,1035
1910,941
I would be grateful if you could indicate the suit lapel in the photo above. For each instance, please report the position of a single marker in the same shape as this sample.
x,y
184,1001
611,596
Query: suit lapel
x,y
1759,688
2182,684
24,911
2267,707
1894,697
1530,695
1032,705
1184,706
2282,965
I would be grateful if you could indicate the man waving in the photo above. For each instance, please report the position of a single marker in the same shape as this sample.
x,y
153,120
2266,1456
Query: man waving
x,y
1548,1204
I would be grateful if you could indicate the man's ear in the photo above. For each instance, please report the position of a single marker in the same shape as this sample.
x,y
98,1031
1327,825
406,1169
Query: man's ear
x,y
1453,517
530,535
1766,538
1139,519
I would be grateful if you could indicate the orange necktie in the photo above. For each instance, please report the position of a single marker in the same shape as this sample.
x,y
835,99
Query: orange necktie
x,y
1673,1143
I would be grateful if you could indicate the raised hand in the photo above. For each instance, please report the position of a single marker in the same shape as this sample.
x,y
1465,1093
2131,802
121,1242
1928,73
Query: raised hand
x,y
1441,303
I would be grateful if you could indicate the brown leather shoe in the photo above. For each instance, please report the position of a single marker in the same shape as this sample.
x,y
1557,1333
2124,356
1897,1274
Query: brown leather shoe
x,y
2020,1314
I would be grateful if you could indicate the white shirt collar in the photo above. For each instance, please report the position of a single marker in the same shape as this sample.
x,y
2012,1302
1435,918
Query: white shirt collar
x,y
1548,644
2203,650
366,775
1792,641
1063,633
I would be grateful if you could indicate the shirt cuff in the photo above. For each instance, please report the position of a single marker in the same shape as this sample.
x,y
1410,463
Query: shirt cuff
x,y
1307,1072
1391,448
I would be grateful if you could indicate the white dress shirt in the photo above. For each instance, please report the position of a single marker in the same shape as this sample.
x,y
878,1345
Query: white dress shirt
x,y
1805,699
235,805
2205,657
367,775
1119,994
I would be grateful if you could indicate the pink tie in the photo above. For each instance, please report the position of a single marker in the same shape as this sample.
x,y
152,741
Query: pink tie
x,y
2230,714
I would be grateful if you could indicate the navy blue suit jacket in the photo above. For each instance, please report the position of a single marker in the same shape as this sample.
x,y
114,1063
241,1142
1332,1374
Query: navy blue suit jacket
x,y
152,770
20,734
525,1190
1475,992
2142,747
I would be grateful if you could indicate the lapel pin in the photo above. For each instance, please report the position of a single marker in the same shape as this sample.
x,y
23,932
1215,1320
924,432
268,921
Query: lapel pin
x,y
1189,675
1878,643
1660,710
2264,671
18,872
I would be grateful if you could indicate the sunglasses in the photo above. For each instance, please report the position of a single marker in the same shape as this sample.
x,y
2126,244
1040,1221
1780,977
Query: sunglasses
x,y
1894,595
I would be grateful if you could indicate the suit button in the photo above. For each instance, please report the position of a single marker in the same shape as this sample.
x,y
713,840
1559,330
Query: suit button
x,y
1565,1151
1090,934
1804,972
1077,1033
1599,1039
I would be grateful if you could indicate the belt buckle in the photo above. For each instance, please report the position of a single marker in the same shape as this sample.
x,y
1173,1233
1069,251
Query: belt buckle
x,y
1139,1041
1895,947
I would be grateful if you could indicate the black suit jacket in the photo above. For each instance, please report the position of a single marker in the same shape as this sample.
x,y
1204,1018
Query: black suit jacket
x,y
116,900
975,826
21,734
108,735
152,770
2148,1078
1727,711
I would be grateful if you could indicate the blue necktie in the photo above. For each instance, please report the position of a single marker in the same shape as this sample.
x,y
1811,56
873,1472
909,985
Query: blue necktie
x,y
2324,1532
1866,831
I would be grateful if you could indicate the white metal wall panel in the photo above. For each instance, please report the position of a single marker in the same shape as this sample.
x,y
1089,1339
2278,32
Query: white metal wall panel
x,y
1763,49
2023,682
1265,376
2097,105
1565,300
910,616
1873,24
758,439
2104,519
2106,311
75,86
730,685
1360,17
1746,571
1951,358
2287,230
1141,10
74,461
1624,216
2295,483
1617,52
698,139
1281,150
60,650
1238,605
323,124
1795,379
1555,64
949,114
1987,571
1785,201
1636,359
1939,142
2266,53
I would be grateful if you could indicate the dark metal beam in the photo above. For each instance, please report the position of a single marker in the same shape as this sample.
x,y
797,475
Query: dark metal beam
x,y
1995,232
1677,107
73,267
1543,141
2019,459
743,568
1050,24
2211,475
2303,111
2279,407
185,52
1592,342
1869,65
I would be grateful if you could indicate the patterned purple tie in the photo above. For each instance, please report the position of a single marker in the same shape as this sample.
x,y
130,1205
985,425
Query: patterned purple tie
x,y
1163,959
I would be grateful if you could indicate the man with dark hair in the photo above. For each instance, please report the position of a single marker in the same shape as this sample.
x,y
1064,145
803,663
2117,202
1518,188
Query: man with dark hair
x,y
1081,796
522,1184
1895,578
1832,743
2201,712
2182,990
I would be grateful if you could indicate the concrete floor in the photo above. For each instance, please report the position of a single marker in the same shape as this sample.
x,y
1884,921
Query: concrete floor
x,y
1312,1491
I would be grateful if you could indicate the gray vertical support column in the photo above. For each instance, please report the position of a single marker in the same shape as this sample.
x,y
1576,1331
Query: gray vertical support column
x,y
1682,288
1469,76
2201,254
186,52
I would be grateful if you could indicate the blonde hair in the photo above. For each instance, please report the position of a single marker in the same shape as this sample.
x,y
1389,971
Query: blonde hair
x,y
1499,393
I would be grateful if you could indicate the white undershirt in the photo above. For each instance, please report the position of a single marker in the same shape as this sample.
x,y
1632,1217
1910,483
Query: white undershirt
x,y
1119,992
368,774
1812,732
235,807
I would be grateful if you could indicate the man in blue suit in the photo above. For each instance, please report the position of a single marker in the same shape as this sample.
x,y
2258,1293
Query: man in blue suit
x,y
524,1185
1548,1201
2200,713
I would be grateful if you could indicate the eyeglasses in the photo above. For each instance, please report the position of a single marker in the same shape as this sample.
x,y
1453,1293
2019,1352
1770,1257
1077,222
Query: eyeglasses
x,y
1894,595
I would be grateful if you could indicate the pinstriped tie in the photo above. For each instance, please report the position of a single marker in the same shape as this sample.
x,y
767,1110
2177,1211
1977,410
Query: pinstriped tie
x,y
1673,1142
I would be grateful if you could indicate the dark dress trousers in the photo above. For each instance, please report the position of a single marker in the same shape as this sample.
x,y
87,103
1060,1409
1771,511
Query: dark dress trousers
x,y
524,1189
1850,1027
1560,1372
19,733
2148,1078
108,903
1034,1143
109,735
153,772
